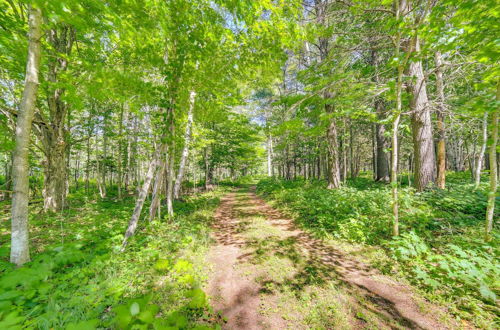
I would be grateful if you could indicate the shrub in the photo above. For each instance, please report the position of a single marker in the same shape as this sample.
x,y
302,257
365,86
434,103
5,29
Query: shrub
x,y
441,248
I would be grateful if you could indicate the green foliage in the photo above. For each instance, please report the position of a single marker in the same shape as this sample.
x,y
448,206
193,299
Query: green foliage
x,y
441,248
78,279
461,271
348,213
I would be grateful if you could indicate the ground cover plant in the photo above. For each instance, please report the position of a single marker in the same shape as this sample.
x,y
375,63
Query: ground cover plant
x,y
79,279
441,249
374,124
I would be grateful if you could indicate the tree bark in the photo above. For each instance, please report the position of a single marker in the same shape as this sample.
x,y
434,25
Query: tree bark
x,y
480,158
492,193
333,151
157,188
270,171
54,191
401,8
423,143
54,135
187,141
382,161
441,144
170,163
132,226
120,150
87,164
19,252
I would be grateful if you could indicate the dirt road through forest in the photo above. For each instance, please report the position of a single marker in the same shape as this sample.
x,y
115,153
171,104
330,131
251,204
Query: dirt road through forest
x,y
268,274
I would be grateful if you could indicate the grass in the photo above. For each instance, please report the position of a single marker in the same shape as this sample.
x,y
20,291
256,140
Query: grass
x,y
78,279
442,251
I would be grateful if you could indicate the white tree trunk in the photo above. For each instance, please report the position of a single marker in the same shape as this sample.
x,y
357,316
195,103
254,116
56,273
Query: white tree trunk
x,y
492,193
19,253
141,198
185,151
270,156
170,183
480,158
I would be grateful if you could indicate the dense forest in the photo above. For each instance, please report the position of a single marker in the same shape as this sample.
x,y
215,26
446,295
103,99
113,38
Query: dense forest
x,y
257,164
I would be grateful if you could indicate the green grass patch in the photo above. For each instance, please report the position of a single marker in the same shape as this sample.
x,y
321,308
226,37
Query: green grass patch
x,y
78,279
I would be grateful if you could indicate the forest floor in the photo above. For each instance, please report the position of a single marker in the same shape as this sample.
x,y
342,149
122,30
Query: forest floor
x,y
267,273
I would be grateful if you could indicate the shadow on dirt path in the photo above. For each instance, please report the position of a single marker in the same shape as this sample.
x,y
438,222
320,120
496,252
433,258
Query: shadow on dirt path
x,y
266,270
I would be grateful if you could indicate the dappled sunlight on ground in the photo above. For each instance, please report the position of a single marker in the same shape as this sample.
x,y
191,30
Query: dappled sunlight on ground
x,y
270,274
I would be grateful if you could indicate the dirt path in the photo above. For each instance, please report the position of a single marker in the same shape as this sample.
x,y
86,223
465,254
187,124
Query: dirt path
x,y
268,274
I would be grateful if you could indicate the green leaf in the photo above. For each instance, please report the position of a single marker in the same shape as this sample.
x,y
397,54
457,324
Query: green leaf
x,y
487,294
83,325
135,309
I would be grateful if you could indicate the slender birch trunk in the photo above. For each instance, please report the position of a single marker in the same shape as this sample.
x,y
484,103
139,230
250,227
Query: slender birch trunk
x,y
400,6
170,163
157,189
394,157
492,193
170,182
270,156
185,151
19,252
120,149
480,158
143,192
87,164
104,170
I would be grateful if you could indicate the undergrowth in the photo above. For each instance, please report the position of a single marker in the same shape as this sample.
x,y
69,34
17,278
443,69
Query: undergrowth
x,y
441,250
78,279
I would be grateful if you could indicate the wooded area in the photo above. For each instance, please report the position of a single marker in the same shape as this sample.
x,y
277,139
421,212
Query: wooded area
x,y
124,124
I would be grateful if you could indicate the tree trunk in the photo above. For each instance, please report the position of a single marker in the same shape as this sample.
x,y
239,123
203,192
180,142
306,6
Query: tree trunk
x,y
185,151
141,198
170,183
480,158
395,123
170,165
101,175
441,144
382,145
87,164
333,150
54,191
19,252
120,151
423,143
158,184
54,136
104,169
270,171
381,159
492,193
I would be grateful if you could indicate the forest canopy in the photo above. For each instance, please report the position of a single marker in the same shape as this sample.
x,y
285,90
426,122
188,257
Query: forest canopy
x,y
125,125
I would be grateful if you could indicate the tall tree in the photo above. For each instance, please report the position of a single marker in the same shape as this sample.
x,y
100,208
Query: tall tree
x,y
492,193
423,140
19,253
441,131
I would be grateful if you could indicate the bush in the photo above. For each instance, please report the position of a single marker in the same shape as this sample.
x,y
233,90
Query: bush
x,y
441,248
78,279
